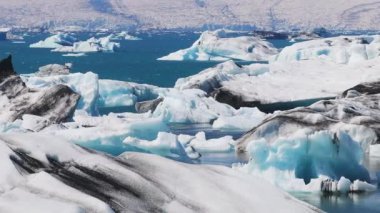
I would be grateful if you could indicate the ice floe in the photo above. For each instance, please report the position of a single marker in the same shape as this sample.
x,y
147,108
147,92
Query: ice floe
x,y
124,36
217,46
55,41
342,49
93,44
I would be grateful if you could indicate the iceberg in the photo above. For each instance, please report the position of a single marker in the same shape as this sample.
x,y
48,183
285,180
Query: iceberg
x,y
183,146
212,79
74,55
55,41
194,106
289,83
217,46
162,103
124,36
54,104
95,93
93,44
295,83
341,50
54,69
73,179
86,85
327,139
119,93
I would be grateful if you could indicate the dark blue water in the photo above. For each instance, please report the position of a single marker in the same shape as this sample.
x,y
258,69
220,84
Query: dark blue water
x,y
135,61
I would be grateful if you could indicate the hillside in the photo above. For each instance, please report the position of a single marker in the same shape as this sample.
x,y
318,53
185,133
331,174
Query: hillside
x,y
264,14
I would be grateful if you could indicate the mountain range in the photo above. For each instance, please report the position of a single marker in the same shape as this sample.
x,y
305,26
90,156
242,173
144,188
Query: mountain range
x,y
193,14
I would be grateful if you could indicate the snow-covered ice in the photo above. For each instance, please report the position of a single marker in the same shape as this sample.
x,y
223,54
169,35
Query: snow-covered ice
x,y
63,177
212,78
217,46
298,81
193,106
342,49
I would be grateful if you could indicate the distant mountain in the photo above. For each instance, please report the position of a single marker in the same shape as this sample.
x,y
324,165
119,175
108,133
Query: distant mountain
x,y
193,14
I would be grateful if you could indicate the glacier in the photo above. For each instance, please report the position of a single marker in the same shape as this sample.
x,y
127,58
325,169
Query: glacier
x,y
216,46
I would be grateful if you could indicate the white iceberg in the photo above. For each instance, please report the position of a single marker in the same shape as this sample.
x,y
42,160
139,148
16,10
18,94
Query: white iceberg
x,y
193,106
93,44
211,79
124,36
305,161
297,81
74,55
217,46
54,69
342,49
171,145
55,41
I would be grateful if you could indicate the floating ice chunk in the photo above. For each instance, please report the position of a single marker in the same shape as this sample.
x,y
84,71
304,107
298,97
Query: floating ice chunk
x,y
124,36
217,46
212,78
243,119
162,145
55,41
74,55
309,156
168,144
193,106
109,129
342,49
297,82
361,186
119,93
54,69
344,185
103,44
190,106
224,144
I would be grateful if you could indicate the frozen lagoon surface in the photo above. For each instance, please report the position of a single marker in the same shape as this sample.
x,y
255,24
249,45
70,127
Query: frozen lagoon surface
x,y
136,61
